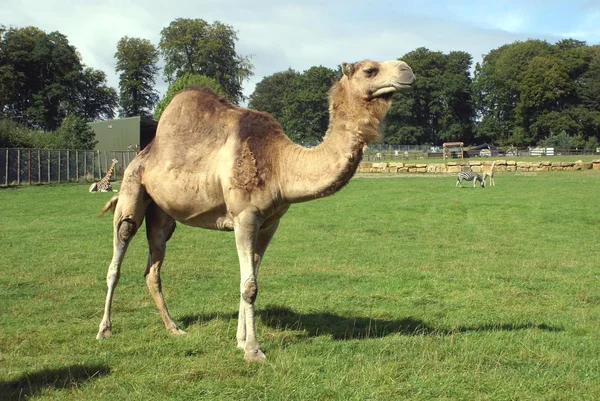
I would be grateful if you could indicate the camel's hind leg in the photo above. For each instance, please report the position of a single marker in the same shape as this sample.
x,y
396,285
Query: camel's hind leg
x,y
159,228
129,214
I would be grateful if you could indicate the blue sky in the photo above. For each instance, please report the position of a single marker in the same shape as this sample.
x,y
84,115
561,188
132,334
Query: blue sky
x,y
280,34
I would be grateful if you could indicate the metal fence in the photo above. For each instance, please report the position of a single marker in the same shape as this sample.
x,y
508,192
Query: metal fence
x,y
40,166
377,152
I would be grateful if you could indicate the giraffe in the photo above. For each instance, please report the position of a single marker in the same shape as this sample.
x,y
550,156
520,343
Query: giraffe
x,y
104,184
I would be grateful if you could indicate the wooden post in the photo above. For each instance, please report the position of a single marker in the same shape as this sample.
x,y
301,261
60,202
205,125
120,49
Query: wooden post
x,y
99,166
29,167
59,166
39,167
48,167
77,165
84,163
6,170
105,162
68,159
18,166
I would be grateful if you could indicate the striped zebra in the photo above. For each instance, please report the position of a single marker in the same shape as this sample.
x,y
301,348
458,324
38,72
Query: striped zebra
x,y
469,176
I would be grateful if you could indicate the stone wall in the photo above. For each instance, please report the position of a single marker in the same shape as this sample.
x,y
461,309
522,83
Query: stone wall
x,y
476,166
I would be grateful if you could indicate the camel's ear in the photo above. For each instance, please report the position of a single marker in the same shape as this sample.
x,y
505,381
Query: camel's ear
x,y
348,69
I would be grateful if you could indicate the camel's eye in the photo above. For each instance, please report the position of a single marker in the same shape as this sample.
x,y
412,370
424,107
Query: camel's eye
x,y
370,71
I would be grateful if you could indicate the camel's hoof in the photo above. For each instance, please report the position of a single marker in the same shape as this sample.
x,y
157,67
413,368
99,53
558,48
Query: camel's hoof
x,y
254,356
103,334
177,332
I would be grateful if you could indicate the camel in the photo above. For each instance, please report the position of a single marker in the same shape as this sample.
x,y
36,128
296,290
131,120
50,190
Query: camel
x,y
219,166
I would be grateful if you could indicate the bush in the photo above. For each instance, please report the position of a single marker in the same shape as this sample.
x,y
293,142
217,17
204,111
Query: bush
x,y
73,133
13,135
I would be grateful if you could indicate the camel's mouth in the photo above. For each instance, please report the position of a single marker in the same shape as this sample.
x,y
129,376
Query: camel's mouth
x,y
405,81
387,91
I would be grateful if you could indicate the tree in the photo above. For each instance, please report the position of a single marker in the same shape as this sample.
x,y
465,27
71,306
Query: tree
x,y
498,83
269,94
42,80
440,106
183,82
298,101
306,108
197,47
95,100
137,61
545,83
525,91
38,76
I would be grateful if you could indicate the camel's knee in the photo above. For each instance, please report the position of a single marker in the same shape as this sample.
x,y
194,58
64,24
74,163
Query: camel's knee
x,y
112,278
126,229
250,291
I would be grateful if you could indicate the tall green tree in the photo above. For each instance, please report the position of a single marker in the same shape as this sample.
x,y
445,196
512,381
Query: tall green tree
x,y
440,108
306,108
38,76
528,91
271,92
299,101
197,47
95,100
137,65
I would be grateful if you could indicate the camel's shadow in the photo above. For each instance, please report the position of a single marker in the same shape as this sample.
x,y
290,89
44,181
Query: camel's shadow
x,y
355,328
29,384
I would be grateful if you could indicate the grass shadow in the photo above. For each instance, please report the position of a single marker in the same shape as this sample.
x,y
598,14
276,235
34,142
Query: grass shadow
x,y
353,328
29,384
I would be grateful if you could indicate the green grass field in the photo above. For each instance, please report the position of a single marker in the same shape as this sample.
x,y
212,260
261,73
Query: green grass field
x,y
393,289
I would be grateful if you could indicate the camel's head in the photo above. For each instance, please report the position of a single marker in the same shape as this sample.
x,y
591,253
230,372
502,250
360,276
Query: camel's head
x,y
373,80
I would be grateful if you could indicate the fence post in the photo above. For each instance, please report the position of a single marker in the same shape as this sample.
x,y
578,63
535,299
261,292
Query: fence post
x,y
77,165
68,159
18,166
39,167
84,163
48,167
99,166
105,161
59,166
6,171
29,167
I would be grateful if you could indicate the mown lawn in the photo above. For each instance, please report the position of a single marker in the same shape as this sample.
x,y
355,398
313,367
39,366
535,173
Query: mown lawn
x,y
393,289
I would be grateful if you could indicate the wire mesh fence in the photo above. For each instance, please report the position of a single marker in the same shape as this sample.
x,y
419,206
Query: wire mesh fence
x,y
379,152
43,166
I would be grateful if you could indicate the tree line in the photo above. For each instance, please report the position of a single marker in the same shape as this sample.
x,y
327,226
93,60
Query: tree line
x,y
521,94
47,94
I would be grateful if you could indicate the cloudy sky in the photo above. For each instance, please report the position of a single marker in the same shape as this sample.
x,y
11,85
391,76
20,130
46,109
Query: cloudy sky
x,y
280,34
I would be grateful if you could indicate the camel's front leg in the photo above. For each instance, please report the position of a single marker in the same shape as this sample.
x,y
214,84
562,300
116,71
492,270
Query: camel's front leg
x,y
246,231
262,241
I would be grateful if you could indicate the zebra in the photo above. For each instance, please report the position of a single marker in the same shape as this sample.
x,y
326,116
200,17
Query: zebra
x,y
469,176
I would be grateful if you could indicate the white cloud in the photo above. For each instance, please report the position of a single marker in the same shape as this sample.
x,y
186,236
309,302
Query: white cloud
x,y
282,34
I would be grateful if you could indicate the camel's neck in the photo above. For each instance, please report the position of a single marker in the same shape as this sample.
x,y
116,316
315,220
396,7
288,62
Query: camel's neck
x,y
314,173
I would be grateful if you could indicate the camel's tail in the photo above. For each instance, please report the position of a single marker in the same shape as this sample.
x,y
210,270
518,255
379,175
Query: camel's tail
x,y
111,204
